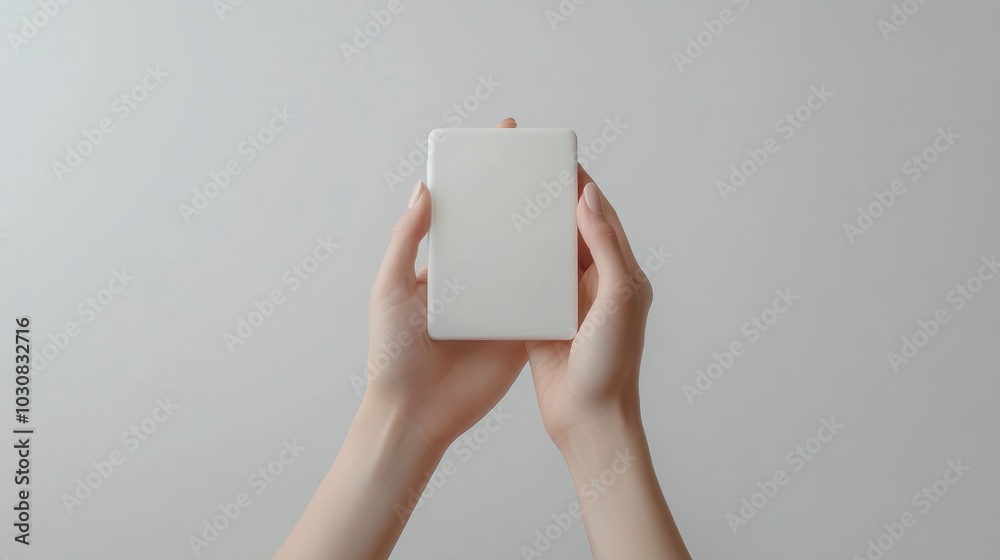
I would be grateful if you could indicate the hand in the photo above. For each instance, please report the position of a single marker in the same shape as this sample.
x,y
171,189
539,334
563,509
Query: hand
x,y
588,393
423,393
595,377
439,388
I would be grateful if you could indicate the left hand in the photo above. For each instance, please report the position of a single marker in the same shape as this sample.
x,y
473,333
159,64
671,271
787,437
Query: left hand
x,y
440,388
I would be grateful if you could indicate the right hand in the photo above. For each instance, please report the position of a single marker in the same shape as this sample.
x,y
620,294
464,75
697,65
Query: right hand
x,y
582,383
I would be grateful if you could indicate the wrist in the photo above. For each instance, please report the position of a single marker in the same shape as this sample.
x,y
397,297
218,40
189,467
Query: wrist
x,y
391,434
372,487
599,439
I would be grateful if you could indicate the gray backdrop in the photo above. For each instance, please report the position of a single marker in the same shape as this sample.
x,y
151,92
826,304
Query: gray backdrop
x,y
136,272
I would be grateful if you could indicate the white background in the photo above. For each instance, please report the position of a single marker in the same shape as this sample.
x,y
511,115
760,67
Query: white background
x,y
325,175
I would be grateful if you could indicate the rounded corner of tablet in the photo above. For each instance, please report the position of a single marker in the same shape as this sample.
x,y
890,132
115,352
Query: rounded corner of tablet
x,y
434,332
437,136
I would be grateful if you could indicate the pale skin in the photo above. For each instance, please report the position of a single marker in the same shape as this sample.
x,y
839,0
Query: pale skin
x,y
423,396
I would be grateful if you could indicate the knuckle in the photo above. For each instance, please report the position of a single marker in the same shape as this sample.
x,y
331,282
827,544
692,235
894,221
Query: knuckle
x,y
612,214
400,230
646,294
643,288
608,235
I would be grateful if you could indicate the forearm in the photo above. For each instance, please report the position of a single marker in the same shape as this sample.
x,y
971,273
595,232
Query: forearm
x,y
623,507
362,504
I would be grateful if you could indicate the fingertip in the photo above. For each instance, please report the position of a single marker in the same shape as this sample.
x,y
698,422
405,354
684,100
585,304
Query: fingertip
x,y
592,197
598,233
418,191
418,213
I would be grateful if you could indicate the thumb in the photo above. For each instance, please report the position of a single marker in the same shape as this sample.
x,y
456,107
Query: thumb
x,y
601,238
397,270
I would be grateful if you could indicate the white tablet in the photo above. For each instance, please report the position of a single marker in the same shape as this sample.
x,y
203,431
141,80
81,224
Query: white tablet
x,y
502,255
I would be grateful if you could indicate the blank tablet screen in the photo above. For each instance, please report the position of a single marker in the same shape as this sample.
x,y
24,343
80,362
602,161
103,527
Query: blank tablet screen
x,y
502,255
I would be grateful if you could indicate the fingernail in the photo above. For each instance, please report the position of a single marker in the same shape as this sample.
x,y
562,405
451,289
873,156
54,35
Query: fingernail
x,y
593,198
416,194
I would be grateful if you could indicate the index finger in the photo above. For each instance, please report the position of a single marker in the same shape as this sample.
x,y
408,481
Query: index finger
x,y
586,259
